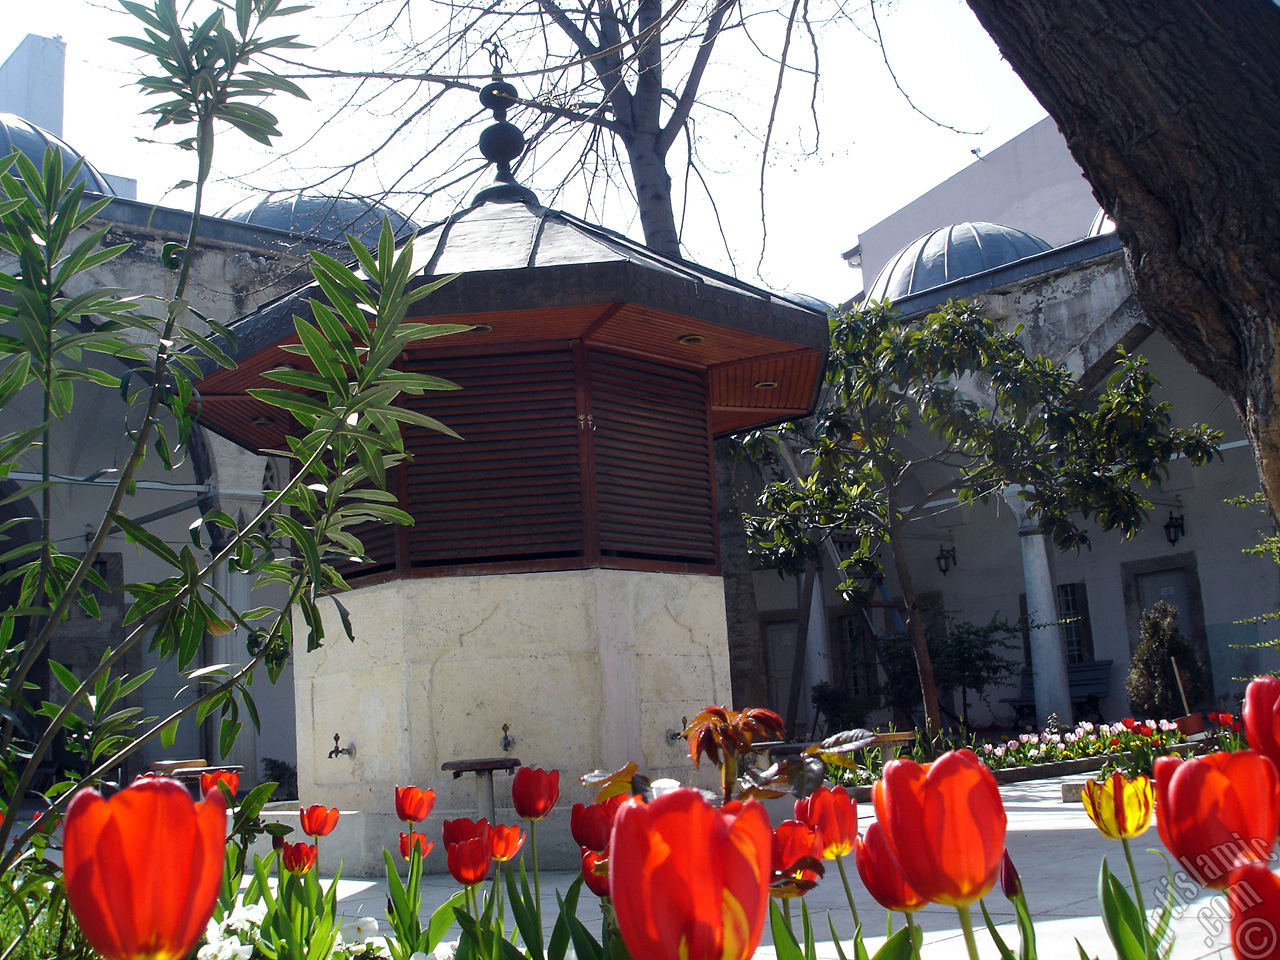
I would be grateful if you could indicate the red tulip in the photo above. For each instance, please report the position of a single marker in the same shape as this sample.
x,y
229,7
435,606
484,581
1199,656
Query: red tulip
x,y
797,849
688,881
1253,893
468,861
945,824
455,831
881,874
143,868
413,804
1216,812
505,842
298,857
1262,717
210,781
410,840
534,792
318,820
835,816
595,872
591,824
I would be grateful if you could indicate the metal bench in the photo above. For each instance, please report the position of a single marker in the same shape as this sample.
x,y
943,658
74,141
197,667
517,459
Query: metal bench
x,y
1090,683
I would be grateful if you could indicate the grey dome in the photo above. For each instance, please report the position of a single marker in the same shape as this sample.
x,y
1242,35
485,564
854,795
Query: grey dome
x,y
1101,224
32,141
949,254
318,217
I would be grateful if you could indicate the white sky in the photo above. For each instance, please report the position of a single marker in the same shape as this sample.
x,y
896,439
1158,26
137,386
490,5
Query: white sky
x,y
876,153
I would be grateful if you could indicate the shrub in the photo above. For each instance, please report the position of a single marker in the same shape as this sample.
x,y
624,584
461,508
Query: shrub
x,y
1152,684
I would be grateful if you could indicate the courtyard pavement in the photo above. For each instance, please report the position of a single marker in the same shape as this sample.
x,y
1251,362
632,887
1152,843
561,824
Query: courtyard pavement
x,y
1057,851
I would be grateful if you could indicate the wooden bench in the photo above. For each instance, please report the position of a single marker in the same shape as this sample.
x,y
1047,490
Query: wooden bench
x,y
1090,683
889,743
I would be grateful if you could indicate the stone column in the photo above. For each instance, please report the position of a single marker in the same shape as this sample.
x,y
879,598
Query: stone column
x,y
817,651
1048,658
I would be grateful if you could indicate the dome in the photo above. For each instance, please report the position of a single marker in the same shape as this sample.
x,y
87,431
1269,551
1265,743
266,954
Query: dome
x,y
32,141
319,217
1101,224
950,254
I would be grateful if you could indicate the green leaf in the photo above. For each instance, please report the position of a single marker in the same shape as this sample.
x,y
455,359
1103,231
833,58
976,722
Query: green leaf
x,y
1120,917
1001,946
898,946
784,941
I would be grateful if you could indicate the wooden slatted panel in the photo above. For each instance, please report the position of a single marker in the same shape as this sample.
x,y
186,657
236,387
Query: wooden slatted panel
x,y
653,474
511,489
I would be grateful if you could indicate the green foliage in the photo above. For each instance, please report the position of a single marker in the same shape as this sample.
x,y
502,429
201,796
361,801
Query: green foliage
x,y
955,403
50,341
1152,684
966,656
949,405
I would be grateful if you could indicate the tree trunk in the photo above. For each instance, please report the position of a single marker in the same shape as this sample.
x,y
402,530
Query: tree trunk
x,y
919,642
1170,108
653,194
748,675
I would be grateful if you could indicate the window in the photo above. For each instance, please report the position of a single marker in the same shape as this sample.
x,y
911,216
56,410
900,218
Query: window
x,y
1073,611
855,656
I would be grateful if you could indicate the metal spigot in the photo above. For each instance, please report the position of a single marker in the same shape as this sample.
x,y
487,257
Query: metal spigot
x,y
508,741
338,750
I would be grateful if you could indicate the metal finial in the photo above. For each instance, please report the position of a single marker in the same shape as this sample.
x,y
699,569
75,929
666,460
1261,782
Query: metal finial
x,y
501,143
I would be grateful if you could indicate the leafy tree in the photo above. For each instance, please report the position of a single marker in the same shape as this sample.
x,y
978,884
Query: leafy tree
x,y
53,323
1168,106
948,405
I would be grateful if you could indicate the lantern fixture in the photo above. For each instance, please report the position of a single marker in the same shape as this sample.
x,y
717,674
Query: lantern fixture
x,y
946,559
1174,528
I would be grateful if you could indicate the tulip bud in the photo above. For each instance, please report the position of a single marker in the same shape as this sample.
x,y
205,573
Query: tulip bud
x,y
1010,882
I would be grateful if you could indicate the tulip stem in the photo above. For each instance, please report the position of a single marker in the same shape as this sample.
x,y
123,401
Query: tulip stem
x,y
537,889
1137,888
844,878
911,934
966,924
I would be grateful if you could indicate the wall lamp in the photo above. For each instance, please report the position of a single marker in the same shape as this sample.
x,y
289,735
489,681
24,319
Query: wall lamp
x,y
946,559
1175,528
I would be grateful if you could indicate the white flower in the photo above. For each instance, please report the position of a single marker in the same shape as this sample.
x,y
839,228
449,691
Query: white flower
x,y
664,785
228,949
445,950
366,927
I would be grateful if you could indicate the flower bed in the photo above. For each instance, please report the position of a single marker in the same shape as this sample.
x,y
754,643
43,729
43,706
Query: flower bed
x,y
682,875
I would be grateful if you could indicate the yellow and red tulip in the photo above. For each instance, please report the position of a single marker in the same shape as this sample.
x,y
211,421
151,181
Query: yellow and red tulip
x,y
505,841
797,856
1119,807
834,814
945,824
408,841
298,857
1217,812
689,881
143,868
881,874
